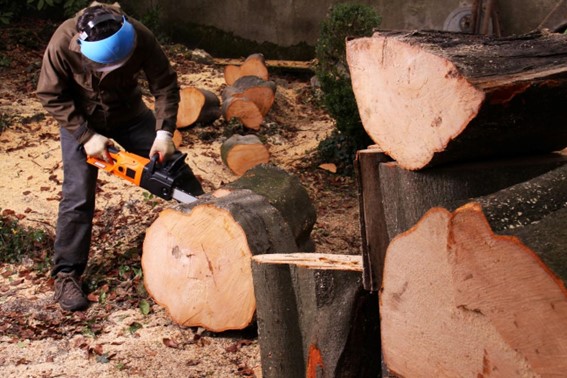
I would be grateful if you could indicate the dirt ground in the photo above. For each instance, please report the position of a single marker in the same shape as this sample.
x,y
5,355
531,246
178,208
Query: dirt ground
x,y
124,333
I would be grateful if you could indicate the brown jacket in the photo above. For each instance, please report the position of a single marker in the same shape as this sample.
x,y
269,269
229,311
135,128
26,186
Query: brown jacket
x,y
84,101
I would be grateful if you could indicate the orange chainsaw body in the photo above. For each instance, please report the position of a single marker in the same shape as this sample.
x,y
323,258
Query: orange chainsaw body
x,y
126,165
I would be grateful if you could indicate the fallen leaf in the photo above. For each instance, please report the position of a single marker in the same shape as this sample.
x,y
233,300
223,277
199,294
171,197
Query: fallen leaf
x,y
329,167
144,307
134,327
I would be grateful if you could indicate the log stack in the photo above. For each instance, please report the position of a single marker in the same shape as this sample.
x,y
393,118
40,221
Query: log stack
x,y
248,97
249,94
463,206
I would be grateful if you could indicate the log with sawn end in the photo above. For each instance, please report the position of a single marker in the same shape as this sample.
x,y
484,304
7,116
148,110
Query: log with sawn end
x,y
242,152
197,105
430,97
249,99
314,317
196,257
253,65
482,289
393,199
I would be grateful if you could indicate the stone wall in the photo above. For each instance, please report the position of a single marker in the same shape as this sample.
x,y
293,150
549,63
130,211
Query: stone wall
x,y
294,24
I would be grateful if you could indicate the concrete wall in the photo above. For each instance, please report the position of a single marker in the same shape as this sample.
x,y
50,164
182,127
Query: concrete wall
x,y
291,22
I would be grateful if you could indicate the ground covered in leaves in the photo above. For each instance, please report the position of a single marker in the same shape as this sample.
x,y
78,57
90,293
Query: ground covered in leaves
x,y
124,333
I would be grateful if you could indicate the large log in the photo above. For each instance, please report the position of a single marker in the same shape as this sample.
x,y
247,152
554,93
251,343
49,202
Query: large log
x,y
461,299
393,199
429,98
314,318
196,257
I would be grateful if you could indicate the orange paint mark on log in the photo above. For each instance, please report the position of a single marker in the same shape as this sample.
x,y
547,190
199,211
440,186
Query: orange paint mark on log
x,y
315,360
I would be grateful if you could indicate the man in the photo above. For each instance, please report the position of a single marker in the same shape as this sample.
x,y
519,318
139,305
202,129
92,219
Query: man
x,y
89,84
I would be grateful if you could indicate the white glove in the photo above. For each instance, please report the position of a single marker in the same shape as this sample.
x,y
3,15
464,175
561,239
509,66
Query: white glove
x,y
163,145
96,147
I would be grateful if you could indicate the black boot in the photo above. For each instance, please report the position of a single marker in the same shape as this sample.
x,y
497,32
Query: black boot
x,y
68,292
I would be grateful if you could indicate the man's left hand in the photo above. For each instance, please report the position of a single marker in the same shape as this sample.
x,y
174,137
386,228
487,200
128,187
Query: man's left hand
x,y
163,145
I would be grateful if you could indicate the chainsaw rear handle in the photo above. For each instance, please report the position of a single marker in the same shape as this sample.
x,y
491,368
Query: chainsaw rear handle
x,y
124,165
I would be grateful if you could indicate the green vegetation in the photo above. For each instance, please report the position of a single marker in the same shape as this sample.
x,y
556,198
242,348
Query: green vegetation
x,y
18,243
13,10
344,20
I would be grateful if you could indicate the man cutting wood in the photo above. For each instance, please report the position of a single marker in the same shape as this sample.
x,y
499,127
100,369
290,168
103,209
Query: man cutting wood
x,y
89,84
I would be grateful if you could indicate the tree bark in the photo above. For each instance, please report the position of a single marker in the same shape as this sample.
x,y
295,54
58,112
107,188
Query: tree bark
x,y
314,318
197,106
287,195
429,98
373,228
393,199
458,299
249,99
196,257
253,65
242,152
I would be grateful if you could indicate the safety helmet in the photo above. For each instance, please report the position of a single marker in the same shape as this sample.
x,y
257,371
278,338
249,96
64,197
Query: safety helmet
x,y
113,49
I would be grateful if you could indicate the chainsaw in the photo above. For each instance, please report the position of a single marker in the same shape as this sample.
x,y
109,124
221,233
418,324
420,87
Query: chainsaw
x,y
171,180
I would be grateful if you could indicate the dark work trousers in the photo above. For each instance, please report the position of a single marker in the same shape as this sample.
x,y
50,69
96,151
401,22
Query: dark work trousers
x,y
76,209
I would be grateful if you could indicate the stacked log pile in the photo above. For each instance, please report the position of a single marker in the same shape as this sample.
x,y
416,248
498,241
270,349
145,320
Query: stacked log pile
x,y
244,254
247,98
197,257
463,206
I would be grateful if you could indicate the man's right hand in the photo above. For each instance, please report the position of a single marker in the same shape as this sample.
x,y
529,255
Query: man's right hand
x,y
96,147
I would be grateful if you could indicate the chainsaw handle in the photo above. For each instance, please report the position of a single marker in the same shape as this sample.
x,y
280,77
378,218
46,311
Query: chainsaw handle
x,y
154,161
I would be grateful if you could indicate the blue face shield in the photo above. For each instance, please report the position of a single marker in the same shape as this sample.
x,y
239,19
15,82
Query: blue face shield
x,y
113,49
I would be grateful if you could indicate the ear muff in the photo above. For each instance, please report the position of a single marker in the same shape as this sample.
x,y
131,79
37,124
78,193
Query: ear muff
x,y
112,49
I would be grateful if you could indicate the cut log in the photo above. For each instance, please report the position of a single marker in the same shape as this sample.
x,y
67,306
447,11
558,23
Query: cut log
x,y
314,318
197,106
429,98
248,100
253,65
242,152
460,299
393,199
196,257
